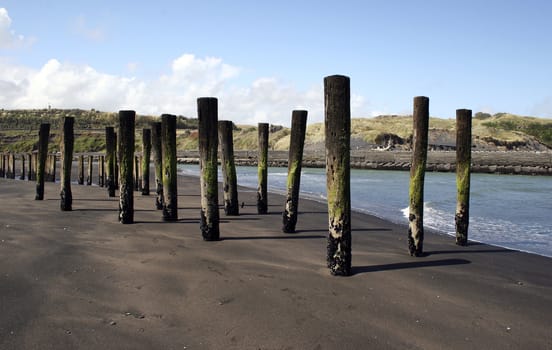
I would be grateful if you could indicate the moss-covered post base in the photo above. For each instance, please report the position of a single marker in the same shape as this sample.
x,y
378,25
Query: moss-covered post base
x,y
337,124
157,163
126,159
168,153
230,180
207,114
417,176
43,137
146,155
262,169
463,171
67,142
295,158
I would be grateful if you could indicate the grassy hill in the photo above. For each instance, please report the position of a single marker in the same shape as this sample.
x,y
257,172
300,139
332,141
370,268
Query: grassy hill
x,y
19,129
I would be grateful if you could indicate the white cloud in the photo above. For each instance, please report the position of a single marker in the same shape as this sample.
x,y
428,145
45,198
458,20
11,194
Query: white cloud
x,y
65,85
8,37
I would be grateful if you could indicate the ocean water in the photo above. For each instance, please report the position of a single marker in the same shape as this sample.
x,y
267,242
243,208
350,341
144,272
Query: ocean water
x,y
508,211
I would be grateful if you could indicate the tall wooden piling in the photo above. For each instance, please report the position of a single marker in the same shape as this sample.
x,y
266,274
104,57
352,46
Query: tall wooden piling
x,y
110,158
12,166
207,114
67,142
157,162
417,176
262,169
29,167
2,165
168,151
52,170
295,158
22,175
43,136
126,163
137,181
463,173
101,170
116,161
337,123
90,170
146,155
34,157
230,180
80,170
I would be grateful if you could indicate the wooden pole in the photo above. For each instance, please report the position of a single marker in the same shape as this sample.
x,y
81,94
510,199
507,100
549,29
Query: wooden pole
x,y
116,161
262,169
43,136
463,170
146,155
295,159
110,146
30,167
2,165
67,142
53,167
22,175
417,175
168,151
126,160
137,181
207,115
90,170
230,180
12,166
101,170
34,156
337,100
158,164
80,168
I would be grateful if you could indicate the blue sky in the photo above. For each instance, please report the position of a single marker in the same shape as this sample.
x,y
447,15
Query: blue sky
x,y
263,59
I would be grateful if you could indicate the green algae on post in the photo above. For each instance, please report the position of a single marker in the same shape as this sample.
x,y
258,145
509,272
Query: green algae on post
x,y
463,170
295,158
207,115
126,165
157,163
417,175
43,137
230,180
337,125
168,153
67,143
262,169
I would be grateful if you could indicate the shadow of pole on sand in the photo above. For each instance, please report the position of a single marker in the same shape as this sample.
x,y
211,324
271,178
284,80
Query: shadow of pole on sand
x,y
408,265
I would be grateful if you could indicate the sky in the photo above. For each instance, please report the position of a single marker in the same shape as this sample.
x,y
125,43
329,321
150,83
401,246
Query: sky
x,y
263,59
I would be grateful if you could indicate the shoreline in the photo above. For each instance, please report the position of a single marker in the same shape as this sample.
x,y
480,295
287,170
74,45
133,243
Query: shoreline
x,y
81,280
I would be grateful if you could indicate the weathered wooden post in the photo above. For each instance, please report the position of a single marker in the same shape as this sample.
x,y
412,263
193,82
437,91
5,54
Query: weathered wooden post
x,y
116,161
207,115
110,146
2,165
80,168
34,156
137,181
30,167
22,175
262,169
157,161
66,147
90,170
12,166
463,171
126,160
168,150
101,170
53,167
417,175
230,180
43,136
337,100
146,155
295,158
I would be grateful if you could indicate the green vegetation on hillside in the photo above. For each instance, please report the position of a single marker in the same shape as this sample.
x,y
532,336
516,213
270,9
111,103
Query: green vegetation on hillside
x,y
19,128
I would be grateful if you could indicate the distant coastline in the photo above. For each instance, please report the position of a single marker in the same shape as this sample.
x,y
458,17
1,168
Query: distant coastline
x,y
487,162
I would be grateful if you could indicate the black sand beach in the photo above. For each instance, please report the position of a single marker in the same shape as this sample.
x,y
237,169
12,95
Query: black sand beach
x,y
81,280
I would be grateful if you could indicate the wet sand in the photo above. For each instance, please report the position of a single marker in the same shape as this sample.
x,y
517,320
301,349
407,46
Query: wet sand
x,y
81,280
